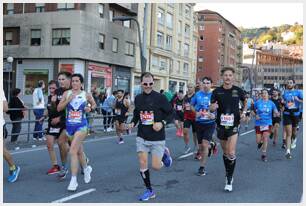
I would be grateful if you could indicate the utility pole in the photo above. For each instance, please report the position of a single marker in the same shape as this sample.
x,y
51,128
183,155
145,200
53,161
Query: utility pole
x,y
144,32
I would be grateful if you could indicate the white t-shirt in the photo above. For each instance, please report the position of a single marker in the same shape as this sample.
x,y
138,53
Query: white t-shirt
x,y
3,99
38,94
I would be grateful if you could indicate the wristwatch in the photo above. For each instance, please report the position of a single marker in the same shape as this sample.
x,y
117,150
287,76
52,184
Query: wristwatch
x,y
164,122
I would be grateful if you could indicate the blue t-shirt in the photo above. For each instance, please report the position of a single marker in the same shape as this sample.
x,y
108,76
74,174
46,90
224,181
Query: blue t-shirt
x,y
249,104
201,103
291,105
264,109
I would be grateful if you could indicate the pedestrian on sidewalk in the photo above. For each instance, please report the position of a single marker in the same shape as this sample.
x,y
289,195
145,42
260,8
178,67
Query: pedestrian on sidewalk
x,y
38,109
151,111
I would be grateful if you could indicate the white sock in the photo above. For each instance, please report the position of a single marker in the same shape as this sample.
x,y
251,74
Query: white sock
x,y
162,164
288,150
73,178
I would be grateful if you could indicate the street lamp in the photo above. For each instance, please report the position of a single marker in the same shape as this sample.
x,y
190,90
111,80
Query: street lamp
x,y
249,76
10,61
143,60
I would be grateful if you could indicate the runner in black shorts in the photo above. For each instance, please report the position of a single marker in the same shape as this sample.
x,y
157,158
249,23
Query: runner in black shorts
x,y
179,113
225,100
275,98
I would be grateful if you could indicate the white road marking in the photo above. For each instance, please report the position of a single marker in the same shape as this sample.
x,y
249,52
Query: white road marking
x,y
247,132
65,199
186,155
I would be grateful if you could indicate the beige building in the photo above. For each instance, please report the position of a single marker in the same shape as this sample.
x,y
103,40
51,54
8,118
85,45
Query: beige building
x,y
171,50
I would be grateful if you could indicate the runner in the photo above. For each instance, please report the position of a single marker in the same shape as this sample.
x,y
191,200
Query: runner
x,y
121,113
225,100
189,119
179,113
152,110
205,121
250,103
76,103
291,99
276,120
264,110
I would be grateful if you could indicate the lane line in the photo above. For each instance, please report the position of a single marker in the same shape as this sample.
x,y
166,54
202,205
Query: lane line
x,y
65,199
247,132
186,155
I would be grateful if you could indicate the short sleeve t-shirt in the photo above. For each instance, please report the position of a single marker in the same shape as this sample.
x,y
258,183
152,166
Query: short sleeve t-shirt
x,y
264,109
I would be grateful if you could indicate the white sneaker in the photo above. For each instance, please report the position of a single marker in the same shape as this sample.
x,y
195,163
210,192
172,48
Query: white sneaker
x,y
293,144
109,129
73,185
87,172
228,187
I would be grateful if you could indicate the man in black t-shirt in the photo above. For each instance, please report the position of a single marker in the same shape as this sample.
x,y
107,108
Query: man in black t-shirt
x,y
275,98
225,99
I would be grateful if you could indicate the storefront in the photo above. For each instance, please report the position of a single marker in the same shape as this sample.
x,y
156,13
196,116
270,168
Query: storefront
x,y
100,77
122,78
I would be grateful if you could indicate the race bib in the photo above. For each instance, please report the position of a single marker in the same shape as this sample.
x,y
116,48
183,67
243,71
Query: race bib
x,y
179,107
291,105
75,116
264,128
147,118
54,130
227,120
187,106
117,111
204,114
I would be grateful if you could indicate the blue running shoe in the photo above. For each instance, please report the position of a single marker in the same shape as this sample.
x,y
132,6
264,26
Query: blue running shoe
x,y
14,175
147,195
167,160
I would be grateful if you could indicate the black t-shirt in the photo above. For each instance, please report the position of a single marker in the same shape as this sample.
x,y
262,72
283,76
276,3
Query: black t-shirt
x,y
179,105
150,108
59,92
228,101
277,102
120,108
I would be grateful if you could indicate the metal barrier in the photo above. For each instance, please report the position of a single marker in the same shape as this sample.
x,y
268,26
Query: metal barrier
x,y
30,119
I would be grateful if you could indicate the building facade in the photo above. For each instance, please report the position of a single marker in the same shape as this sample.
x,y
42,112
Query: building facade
x,y
171,41
219,45
47,38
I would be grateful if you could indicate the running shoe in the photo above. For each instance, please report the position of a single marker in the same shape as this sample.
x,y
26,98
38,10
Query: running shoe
x,y
259,145
212,146
55,169
288,155
167,160
14,175
229,184
120,141
198,156
264,158
148,194
187,149
63,173
201,171
293,144
283,146
87,172
274,143
87,161
73,185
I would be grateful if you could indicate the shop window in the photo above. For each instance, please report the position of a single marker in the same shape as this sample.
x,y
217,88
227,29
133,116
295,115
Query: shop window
x,y
31,78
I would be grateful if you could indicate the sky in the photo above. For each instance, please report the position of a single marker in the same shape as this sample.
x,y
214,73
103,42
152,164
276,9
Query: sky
x,y
255,15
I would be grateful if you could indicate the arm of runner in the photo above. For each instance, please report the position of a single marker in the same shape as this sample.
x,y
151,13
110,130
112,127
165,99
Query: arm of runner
x,y
64,101
135,114
92,102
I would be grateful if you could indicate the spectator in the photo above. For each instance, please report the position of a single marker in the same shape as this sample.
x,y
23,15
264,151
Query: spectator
x,y
39,107
107,109
16,115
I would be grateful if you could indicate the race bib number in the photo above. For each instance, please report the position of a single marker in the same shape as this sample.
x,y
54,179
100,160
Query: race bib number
x,y
291,105
204,114
227,120
147,118
54,130
264,128
187,106
179,107
75,116
117,111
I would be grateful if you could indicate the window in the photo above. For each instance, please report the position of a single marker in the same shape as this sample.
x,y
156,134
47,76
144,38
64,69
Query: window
x,y
8,38
111,15
39,7
154,60
61,37
35,37
179,49
127,24
129,48
169,42
65,6
200,68
180,28
186,50
201,48
115,45
171,5
10,8
31,76
101,41
186,67
201,27
162,64
201,38
160,39
187,11
187,30
169,20
200,59
160,16
101,10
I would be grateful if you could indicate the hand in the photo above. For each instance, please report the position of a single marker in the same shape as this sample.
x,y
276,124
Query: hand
x,y
243,117
214,106
72,96
41,120
130,126
157,126
87,109
54,98
126,114
55,120
211,115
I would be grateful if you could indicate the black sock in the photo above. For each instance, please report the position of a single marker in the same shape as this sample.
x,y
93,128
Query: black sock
x,y
231,167
225,160
146,179
284,141
293,137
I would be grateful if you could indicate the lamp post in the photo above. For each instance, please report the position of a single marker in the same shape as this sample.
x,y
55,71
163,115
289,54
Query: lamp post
x,y
249,76
10,61
143,60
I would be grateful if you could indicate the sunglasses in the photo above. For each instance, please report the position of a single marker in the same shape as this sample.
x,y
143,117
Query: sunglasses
x,y
147,84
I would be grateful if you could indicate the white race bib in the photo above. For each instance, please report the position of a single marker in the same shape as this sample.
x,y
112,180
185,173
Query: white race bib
x,y
187,106
291,105
179,107
227,120
54,130
147,118
204,114
75,116
264,128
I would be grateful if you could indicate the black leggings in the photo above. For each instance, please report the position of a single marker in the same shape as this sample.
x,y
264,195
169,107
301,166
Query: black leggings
x,y
107,117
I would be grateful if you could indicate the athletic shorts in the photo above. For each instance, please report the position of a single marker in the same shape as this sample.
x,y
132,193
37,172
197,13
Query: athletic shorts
x,y
179,116
121,119
276,120
205,131
156,148
71,130
55,130
224,133
290,120
188,123
257,129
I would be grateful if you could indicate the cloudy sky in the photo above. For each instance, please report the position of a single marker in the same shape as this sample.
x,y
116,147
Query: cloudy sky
x,y
250,15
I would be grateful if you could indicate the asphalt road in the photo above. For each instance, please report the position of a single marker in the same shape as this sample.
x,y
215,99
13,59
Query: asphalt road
x,y
116,178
